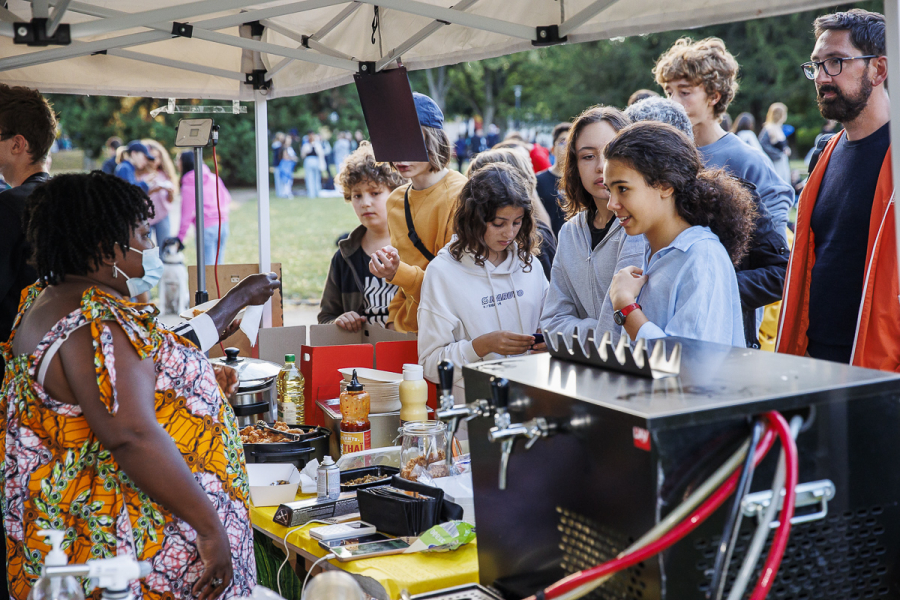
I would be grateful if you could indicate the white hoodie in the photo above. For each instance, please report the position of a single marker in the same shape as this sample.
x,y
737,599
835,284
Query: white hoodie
x,y
461,301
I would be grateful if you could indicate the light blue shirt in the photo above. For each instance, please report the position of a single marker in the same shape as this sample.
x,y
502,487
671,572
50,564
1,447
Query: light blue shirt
x,y
692,291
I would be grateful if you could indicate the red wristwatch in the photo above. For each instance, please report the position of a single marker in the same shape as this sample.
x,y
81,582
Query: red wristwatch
x,y
620,315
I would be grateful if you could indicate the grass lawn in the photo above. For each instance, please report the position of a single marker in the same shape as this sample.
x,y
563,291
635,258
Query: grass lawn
x,y
303,240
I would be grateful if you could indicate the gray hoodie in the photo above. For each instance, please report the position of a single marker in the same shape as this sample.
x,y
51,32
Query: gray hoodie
x,y
579,282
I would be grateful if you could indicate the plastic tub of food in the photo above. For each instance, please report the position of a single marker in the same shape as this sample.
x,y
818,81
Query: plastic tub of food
x,y
366,477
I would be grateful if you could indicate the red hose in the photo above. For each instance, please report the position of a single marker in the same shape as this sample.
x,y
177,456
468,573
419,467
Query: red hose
x,y
703,512
219,236
779,543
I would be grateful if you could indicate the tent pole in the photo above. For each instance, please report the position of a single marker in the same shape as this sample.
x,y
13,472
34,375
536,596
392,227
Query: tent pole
x,y
261,122
201,295
892,26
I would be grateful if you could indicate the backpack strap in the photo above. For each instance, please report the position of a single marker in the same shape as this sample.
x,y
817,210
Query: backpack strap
x,y
413,236
820,146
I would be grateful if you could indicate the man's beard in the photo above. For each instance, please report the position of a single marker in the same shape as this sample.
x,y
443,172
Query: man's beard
x,y
842,108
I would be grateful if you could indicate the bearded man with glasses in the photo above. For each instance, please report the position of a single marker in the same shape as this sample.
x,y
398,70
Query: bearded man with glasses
x,y
841,291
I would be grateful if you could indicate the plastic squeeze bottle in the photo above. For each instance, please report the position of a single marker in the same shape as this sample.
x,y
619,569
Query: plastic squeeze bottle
x,y
356,431
56,588
413,394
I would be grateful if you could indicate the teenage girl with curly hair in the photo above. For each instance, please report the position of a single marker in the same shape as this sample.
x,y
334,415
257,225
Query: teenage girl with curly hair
x,y
697,223
483,293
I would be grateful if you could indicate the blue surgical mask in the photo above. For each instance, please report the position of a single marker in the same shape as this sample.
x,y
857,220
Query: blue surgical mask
x,y
153,269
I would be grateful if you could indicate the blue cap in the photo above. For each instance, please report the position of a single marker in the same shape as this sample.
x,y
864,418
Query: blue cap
x,y
429,112
136,146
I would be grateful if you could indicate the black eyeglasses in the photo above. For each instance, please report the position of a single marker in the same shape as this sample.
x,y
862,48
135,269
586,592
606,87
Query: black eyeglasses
x,y
6,136
832,66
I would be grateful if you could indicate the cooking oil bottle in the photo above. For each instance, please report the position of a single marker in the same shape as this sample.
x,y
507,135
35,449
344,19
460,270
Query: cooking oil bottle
x,y
289,386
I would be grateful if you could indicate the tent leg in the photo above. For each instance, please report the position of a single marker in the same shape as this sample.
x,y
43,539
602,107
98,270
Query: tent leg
x,y
892,27
261,118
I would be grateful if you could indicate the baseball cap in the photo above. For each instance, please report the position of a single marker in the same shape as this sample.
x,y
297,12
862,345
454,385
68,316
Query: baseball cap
x,y
136,146
428,111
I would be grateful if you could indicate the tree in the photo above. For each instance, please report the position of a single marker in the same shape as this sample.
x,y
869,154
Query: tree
x,y
438,86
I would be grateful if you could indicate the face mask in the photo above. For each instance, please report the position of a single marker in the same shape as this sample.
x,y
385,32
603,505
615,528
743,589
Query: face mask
x,y
153,268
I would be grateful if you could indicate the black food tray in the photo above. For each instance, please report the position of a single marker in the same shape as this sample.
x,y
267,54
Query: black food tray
x,y
383,471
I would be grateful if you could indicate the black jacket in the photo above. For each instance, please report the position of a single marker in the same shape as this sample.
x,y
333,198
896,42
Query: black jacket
x,y
15,272
344,286
761,273
548,247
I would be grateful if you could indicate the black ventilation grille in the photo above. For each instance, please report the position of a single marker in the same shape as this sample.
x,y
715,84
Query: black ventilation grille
x,y
585,544
839,557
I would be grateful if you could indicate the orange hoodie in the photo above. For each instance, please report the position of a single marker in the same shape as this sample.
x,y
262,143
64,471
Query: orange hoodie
x,y
877,341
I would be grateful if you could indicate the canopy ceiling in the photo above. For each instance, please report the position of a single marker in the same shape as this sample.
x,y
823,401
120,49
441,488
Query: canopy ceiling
x,y
124,47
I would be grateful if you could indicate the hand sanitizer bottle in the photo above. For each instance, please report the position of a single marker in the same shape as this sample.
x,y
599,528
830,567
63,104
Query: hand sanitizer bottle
x,y
56,588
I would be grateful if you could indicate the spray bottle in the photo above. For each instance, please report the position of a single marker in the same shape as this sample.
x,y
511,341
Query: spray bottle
x,y
55,588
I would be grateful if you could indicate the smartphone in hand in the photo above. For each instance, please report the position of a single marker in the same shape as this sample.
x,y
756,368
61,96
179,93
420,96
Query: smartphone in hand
x,y
538,338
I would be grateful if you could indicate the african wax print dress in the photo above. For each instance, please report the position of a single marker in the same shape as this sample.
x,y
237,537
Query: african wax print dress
x,y
56,474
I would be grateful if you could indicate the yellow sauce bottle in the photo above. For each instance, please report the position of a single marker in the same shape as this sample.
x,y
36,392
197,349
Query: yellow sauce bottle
x,y
413,394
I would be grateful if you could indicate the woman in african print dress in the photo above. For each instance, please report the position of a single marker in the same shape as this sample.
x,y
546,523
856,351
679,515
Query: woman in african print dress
x,y
123,439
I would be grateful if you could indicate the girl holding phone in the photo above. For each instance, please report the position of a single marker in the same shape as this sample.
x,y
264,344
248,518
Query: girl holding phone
x,y
482,294
697,223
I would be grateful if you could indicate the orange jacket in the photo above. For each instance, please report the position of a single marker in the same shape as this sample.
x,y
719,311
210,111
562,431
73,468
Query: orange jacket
x,y
877,341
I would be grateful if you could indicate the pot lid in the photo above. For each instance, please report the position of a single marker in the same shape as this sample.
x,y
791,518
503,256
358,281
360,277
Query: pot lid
x,y
252,372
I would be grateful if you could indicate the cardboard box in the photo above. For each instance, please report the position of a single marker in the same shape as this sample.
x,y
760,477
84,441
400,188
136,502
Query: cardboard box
x,y
331,348
229,277
261,477
323,349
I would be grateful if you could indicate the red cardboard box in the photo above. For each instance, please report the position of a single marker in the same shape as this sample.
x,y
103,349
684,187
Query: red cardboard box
x,y
329,348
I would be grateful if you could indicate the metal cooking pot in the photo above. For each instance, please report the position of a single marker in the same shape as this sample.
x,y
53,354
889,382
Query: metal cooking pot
x,y
256,395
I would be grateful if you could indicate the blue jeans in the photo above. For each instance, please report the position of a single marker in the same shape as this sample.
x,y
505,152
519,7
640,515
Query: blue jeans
x,y
285,179
210,234
161,230
313,176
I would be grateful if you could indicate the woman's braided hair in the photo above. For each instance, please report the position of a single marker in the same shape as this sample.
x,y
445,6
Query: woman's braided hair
x,y
73,222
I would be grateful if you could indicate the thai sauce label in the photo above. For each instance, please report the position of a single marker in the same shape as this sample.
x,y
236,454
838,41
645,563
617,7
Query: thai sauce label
x,y
356,441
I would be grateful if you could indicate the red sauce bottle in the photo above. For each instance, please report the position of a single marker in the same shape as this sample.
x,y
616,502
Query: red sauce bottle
x,y
356,430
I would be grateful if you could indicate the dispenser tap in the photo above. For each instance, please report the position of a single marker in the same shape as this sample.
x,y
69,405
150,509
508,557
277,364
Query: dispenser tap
x,y
506,432
452,414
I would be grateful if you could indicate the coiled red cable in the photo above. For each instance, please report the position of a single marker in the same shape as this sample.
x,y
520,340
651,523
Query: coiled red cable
x,y
678,532
777,426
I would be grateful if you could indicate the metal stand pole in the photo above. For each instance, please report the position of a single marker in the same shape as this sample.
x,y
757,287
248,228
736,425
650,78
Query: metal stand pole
x,y
201,295
261,120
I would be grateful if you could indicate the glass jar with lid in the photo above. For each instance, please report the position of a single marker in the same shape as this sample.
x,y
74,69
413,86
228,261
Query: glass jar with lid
x,y
423,449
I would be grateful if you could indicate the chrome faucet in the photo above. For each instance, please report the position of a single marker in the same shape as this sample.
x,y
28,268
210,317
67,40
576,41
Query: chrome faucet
x,y
452,414
506,432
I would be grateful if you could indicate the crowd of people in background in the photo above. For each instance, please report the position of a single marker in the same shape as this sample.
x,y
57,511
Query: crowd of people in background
x,y
321,160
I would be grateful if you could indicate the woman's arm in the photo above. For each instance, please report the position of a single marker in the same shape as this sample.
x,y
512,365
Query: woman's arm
x,y
252,290
142,448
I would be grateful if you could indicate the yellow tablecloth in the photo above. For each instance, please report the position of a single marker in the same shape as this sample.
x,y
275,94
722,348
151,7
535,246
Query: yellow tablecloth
x,y
417,573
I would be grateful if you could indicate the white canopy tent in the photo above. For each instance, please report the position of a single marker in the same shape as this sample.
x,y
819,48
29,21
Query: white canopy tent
x,y
225,49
